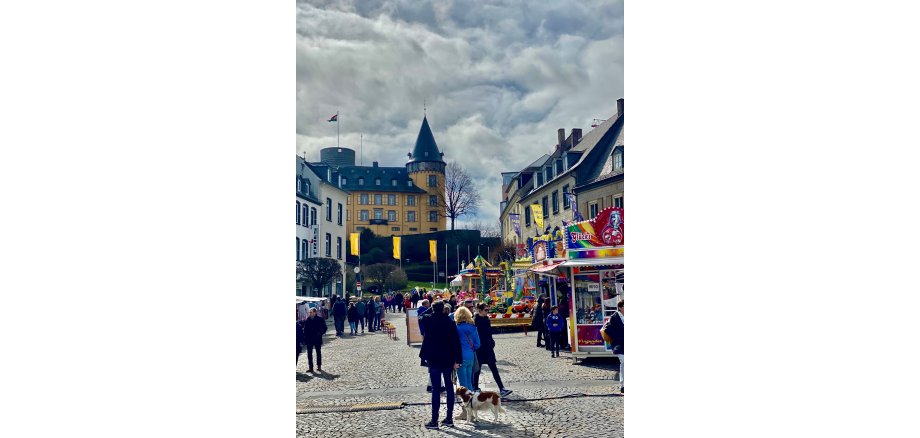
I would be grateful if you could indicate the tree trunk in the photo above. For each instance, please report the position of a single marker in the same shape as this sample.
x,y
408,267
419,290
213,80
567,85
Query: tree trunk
x,y
452,223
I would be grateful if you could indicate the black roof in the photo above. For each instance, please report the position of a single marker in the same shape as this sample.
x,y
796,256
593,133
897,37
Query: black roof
x,y
426,149
302,174
371,173
599,156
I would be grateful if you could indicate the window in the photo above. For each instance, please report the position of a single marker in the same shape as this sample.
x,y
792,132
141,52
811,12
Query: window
x,y
378,199
433,200
340,213
313,215
363,215
348,215
527,216
410,199
413,229
360,228
344,181
298,184
393,182
360,181
328,210
618,161
432,180
409,183
410,216
378,213
592,210
303,217
391,199
304,251
363,199
298,212
433,229
298,248
395,228
548,173
565,199
545,210
308,191
391,215
618,202
338,248
328,245
432,216
555,202
376,181
539,179
558,167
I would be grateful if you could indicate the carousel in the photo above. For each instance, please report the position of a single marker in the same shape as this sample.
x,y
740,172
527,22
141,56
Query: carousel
x,y
497,286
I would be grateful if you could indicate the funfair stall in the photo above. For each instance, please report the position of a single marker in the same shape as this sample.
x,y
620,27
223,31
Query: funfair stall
x,y
594,267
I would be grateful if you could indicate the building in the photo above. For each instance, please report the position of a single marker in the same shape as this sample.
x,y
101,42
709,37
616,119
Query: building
x,y
392,201
321,220
591,167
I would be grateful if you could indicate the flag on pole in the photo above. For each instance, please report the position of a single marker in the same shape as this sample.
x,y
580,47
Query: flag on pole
x,y
576,216
397,242
515,223
537,212
433,249
355,244
334,118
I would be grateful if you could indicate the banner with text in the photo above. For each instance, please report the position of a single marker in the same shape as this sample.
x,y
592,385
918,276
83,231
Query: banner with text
x,y
606,229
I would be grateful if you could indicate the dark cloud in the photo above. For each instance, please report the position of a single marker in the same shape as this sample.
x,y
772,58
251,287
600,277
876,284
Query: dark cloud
x,y
499,78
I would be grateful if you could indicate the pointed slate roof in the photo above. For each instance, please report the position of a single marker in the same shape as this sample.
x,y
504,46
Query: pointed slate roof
x,y
426,149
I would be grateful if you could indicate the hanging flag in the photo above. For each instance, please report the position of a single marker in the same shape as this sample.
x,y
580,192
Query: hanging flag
x,y
515,223
433,249
355,244
397,246
576,216
537,212
334,118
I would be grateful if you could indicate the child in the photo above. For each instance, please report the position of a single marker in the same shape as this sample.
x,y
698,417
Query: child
x,y
554,329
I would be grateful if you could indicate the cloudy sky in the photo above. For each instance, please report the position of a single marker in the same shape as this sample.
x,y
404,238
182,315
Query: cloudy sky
x,y
499,78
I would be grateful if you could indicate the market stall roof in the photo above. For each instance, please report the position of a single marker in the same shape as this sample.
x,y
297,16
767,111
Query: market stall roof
x,y
457,281
547,267
595,262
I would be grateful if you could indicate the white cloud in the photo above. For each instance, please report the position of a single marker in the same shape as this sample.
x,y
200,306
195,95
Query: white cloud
x,y
499,79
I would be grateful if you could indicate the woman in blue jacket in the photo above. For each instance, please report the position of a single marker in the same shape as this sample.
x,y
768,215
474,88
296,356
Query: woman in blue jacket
x,y
469,343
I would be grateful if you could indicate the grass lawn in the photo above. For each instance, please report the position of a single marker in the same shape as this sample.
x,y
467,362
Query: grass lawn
x,y
426,285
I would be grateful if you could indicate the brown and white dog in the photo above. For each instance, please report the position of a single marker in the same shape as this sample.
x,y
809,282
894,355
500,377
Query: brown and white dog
x,y
473,403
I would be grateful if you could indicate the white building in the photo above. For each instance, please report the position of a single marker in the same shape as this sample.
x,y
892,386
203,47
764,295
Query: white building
x,y
321,226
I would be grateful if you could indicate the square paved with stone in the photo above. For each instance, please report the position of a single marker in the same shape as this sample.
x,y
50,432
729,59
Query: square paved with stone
x,y
552,397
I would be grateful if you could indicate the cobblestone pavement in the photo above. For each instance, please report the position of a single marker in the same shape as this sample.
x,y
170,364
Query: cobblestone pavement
x,y
552,397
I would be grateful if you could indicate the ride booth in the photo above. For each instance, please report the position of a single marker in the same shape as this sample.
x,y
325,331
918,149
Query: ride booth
x,y
482,282
594,268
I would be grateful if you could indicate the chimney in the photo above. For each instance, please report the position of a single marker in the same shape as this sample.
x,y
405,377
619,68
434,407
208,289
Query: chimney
x,y
576,136
561,136
620,106
376,164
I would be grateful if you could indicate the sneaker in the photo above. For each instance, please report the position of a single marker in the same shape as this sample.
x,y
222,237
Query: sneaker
x,y
505,392
310,370
431,425
621,390
428,388
447,423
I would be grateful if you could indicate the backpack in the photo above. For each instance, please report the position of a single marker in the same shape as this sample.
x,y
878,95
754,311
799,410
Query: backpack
x,y
604,334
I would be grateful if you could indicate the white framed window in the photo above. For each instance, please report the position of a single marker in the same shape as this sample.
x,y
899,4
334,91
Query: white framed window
x,y
328,245
360,181
410,200
364,215
376,181
378,213
565,199
391,215
298,212
391,199
378,199
432,181
592,210
618,160
393,182
432,216
304,218
618,202
340,213
410,216
363,199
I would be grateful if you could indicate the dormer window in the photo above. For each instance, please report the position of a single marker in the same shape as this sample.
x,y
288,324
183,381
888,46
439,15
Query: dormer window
x,y
618,160
298,186
377,181
308,187
393,182
559,167
360,181
409,183
344,181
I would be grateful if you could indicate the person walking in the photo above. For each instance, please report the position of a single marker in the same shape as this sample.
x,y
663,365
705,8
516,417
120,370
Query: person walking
x,y
537,324
554,329
369,314
486,352
361,311
314,328
442,352
415,298
469,342
352,318
338,313
614,329
301,340
546,310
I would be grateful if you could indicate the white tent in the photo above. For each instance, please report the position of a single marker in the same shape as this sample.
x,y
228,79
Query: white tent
x,y
457,281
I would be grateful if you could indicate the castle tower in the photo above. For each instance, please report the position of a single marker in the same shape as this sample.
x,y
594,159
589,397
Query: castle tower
x,y
426,167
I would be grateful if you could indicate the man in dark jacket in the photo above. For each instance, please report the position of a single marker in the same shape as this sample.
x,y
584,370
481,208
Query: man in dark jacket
x,y
313,328
415,298
338,313
441,350
369,314
399,302
486,352
362,312
614,329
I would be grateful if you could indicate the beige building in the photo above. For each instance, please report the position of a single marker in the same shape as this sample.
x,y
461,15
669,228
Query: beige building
x,y
591,167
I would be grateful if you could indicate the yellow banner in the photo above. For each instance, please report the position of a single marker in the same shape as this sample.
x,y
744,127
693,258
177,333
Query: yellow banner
x,y
397,242
355,243
537,212
433,249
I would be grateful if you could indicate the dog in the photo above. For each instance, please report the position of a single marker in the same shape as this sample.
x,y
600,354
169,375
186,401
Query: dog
x,y
473,403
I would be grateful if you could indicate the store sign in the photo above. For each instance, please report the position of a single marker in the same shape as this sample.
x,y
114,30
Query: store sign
x,y
314,244
590,335
605,229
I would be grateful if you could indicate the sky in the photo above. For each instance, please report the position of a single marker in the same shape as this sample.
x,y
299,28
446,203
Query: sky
x,y
498,79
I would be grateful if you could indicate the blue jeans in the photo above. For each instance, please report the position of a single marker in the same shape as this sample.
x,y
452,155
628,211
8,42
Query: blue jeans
x,y
435,374
465,374
354,326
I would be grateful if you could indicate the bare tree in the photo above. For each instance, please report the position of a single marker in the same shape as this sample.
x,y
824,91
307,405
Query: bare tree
x,y
318,271
460,194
